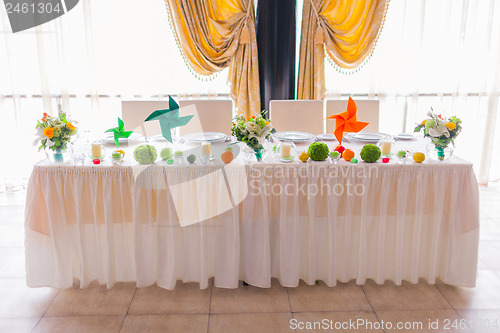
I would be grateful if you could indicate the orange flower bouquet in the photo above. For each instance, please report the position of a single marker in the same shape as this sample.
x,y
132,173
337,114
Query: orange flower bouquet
x,y
54,132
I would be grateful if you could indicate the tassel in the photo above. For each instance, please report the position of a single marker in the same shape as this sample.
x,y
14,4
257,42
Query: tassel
x,y
245,35
320,37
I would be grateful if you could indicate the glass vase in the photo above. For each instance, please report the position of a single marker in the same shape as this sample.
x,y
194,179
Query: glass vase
x,y
438,153
253,155
62,155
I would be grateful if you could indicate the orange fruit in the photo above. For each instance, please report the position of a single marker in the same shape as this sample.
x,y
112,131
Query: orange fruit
x,y
227,156
348,154
121,152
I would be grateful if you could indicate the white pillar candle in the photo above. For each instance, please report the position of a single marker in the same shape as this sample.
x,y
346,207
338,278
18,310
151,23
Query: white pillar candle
x,y
386,148
96,150
286,149
206,149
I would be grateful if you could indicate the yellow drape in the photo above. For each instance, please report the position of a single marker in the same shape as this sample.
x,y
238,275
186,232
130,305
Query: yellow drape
x,y
215,34
346,29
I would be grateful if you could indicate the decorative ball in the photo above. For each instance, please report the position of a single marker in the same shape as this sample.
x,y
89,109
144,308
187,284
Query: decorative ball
x,y
340,149
170,161
318,151
191,158
419,157
354,160
145,154
303,157
96,161
370,153
386,160
227,156
348,155
166,153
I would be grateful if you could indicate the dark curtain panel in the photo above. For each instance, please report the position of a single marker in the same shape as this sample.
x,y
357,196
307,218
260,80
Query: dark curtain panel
x,y
276,49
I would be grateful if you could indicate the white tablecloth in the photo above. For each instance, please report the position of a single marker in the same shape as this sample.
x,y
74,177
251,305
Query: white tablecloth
x,y
314,221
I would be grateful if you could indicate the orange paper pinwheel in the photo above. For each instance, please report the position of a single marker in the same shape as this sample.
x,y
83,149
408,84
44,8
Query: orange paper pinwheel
x,y
346,121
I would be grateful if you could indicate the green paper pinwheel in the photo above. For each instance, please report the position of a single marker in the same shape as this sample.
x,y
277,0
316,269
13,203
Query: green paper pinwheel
x,y
119,132
169,118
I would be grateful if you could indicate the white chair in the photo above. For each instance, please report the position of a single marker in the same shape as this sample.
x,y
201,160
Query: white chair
x,y
135,112
297,115
209,116
368,111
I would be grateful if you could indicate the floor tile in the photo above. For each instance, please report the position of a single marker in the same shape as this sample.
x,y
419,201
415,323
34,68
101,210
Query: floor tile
x,y
336,322
18,325
490,230
90,324
250,323
185,298
482,321
342,297
12,262
250,299
489,253
423,321
94,300
18,300
12,235
196,323
420,296
486,294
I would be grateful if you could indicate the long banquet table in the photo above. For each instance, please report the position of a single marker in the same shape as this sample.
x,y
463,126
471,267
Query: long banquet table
x,y
252,222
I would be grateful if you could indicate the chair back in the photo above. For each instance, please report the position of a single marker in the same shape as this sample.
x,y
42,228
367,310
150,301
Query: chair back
x,y
209,116
297,115
368,111
135,112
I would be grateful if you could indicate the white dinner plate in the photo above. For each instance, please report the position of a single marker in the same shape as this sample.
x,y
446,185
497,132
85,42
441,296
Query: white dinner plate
x,y
366,136
326,137
293,136
205,137
110,138
406,136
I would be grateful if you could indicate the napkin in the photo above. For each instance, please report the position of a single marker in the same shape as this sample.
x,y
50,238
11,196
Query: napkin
x,y
346,121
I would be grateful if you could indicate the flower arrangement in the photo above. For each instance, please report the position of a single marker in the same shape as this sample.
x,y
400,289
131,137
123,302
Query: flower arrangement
x,y
54,132
252,130
441,131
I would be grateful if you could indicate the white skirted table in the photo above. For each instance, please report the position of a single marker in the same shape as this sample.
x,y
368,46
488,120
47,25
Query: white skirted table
x,y
252,222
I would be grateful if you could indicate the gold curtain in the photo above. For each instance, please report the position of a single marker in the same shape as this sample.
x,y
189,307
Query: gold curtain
x,y
346,30
215,34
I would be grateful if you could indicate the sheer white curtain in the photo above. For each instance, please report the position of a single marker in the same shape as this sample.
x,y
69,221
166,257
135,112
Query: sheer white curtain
x,y
88,60
444,54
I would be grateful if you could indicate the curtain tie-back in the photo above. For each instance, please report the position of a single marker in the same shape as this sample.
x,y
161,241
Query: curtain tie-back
x,y
319,38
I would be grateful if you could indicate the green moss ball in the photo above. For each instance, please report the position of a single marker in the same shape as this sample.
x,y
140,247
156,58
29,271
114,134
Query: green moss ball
x,y
145,154
191,158
166,153
370,153
318,151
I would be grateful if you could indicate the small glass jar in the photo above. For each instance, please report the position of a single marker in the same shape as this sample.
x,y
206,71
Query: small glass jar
x,y
178,156
335,157
116,157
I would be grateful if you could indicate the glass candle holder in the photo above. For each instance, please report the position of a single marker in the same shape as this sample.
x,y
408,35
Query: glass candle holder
x,y
96,151
387,146
206,153
287,151
116,157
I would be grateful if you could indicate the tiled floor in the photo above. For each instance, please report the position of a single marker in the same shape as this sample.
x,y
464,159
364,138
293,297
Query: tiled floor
x,y
125,308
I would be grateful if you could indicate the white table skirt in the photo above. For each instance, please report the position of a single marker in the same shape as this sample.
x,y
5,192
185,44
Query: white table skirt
x,y
123,224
